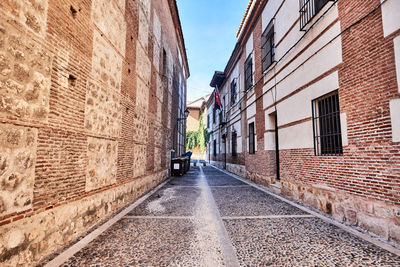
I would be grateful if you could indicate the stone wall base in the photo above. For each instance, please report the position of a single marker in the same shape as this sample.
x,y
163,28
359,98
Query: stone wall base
x,y
374,216
28,241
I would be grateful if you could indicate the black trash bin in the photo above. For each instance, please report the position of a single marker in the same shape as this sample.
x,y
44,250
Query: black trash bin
x,y
177,166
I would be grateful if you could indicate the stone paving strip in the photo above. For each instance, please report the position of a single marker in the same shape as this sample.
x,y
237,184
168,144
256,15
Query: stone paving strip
x,y
265,217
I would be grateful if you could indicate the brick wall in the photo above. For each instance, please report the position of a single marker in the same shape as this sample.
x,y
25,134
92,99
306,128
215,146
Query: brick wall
x,y
80,81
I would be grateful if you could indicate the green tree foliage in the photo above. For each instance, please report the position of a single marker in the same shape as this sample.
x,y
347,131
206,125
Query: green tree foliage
x,y
197,138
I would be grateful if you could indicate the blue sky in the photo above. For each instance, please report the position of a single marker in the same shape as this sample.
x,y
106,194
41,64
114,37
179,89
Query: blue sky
x,y
209,29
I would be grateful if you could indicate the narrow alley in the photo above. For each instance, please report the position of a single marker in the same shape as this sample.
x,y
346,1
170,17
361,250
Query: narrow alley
x,y
210,218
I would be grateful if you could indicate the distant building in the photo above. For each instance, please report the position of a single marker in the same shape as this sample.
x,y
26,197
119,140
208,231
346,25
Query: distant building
x,y
311,107
197,108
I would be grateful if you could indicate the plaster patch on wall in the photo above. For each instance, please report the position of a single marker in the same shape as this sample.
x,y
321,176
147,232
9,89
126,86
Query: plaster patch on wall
x,y
17,167
24,75
143,30
31,13
397,59
145,4
139,160
140,126
395,115
102,163
157,157
108,18
102,110
106,63
143,65
142,95
390,16
156,28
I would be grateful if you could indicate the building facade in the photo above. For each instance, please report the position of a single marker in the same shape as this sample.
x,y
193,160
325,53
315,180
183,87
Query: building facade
x,y
311,100
197,111
88,109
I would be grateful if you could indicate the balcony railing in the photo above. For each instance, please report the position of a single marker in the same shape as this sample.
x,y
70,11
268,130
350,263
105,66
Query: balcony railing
x,y
308,10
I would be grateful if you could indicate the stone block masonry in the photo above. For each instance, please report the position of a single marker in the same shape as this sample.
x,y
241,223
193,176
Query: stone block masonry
x,y
86,114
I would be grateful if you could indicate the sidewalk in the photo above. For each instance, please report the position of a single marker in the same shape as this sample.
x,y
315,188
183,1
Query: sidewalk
x,y
209,218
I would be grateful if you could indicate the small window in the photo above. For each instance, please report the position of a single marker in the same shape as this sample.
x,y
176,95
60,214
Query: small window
x,y
267,47
215,147
234,144
233,92
208,120
164,62
252,148
308,10
326,123
214,115
248,73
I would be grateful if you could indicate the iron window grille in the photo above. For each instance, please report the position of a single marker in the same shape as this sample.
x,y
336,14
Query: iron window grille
x,y
268,47
234,144
326,125
252,148
308,10
248,73
233,92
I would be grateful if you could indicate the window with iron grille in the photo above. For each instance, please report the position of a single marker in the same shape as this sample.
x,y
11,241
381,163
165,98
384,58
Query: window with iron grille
x,y
215,148
308,10
267,47
248,73
326,123
233,92
234,144
252,148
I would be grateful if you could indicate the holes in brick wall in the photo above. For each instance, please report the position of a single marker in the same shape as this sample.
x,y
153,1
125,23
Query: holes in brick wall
x,y
71,80
73,11
131,38
129,70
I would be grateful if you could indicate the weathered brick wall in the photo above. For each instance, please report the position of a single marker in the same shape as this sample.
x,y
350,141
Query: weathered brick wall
x,y
84,112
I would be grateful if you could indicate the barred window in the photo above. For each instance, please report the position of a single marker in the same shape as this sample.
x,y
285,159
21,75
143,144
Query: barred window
x,y
252,148
308,10
326,123
248,73
234,144
267,47
233,92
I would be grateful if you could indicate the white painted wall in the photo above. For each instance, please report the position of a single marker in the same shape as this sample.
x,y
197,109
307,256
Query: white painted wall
x,y
251,106
397,58
390,16
395,118
249,45
296,136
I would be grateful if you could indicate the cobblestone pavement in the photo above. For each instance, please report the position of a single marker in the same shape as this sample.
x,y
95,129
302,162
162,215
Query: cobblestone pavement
x,y
209,218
